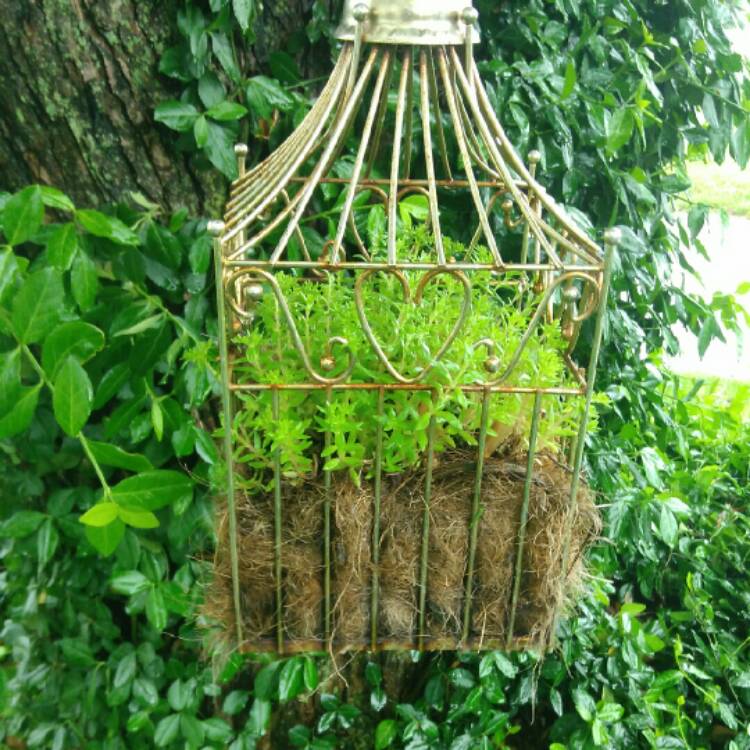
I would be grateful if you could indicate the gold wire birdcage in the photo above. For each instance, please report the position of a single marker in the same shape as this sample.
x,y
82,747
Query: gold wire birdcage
x,y
406,84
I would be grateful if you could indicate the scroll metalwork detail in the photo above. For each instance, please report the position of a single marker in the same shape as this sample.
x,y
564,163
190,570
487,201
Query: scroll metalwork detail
x,y
230,285
426,279
491,345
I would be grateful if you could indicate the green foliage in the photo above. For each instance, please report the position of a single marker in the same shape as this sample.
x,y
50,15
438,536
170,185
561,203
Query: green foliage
x,y
89,359
103,652
210,62
410,335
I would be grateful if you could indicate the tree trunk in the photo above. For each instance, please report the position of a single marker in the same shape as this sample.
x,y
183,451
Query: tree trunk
x,y
79,85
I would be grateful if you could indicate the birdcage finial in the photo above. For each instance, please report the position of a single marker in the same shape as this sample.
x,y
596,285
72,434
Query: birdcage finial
x,y
430,22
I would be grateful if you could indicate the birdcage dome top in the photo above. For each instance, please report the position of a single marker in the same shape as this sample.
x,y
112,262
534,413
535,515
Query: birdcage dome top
x,y
411,22
396,107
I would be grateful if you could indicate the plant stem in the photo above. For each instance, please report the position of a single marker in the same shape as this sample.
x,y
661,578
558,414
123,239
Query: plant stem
x,y
34,362
87,450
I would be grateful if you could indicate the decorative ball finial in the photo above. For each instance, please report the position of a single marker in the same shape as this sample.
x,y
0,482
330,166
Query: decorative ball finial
x,y
360,12
492,364
470,16
613,236
572,294
535,157
240,149
327,363
253,292
216,227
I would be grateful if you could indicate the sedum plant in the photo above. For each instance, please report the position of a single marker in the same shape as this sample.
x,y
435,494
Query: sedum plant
x,y
499,308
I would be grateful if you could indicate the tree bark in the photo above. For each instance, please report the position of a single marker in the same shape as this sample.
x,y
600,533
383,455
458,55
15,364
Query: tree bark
x,y
79,85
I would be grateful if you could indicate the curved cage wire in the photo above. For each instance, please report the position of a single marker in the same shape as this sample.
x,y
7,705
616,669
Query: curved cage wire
x,y
418,122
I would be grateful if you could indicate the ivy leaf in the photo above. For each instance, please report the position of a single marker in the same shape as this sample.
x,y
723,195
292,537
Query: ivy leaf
x,y
217,730
264,95
192,730
129,583
584,704
226,110
291,679
243,12
152,490
23,215
37,306
73,396
138,519
260,715
112,455
105,539
62,246
178,695
235,702
222,48
200,132
620,129
18,419
178,116
211,90
47,539
284,67
101,514
668,526
74,339
163,246
504,664
599,733
156,610
21,524
310,674
740,143
109,227
570,80
611,712
125,672
167,730
84,281
10,379
220,150
54,198
10,266
266,681
556,701
386,732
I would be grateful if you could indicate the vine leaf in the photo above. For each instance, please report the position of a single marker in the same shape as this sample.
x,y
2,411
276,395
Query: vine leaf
x,y
73,396
152,490
23,215
37,307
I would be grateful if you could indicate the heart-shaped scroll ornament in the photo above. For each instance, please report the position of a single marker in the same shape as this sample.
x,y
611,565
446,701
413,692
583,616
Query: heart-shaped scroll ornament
x,y
336,342
416,299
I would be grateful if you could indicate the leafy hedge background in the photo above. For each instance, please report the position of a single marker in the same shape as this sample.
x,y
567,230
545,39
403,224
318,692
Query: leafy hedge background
x,y
108,389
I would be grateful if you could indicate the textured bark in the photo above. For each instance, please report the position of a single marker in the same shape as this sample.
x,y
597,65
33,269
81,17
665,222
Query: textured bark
x,y
79,82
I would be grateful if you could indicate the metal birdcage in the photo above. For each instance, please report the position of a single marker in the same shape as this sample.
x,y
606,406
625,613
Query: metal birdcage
x,y
406,99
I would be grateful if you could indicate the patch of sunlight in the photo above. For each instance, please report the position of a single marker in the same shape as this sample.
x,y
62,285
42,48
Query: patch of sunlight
x,y
722,186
